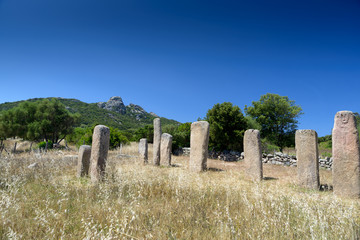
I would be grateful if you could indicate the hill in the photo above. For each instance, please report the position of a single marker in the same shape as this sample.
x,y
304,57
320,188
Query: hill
x,y
112,113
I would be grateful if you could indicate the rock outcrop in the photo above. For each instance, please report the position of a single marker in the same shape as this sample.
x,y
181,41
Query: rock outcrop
x,y
136,111
115,104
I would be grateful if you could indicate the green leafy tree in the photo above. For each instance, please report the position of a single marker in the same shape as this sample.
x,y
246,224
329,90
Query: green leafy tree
x,y
227,127
278,117
144,132
117,138
180,133
35,121
252,124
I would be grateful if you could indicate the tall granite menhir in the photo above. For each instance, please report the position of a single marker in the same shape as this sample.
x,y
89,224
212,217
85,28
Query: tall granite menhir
x,y
143,150
83,160
157,141
99,152
307,154
253,155
165,149
199,141
346,155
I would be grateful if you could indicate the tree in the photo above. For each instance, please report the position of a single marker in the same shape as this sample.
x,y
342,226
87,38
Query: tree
x,y
227,127
180,133
277,116
144,132
36,121
117,138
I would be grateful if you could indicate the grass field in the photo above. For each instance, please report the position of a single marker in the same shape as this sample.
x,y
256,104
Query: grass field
x,y
147,202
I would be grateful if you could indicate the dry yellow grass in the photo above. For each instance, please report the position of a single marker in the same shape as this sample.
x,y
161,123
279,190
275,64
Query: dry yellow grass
x,y
139,201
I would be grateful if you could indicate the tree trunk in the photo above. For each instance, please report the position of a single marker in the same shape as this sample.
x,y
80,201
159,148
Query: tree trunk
x,y
66,146
46,146
30,147
2,146
14,150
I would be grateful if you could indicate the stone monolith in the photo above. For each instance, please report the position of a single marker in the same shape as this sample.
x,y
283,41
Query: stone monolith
x,y
253,155
165,149
157,141
346,156
307,155
83,160
99,152
199,141
143,150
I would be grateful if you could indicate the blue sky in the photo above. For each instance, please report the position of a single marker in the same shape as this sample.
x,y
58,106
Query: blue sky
x,y
179,58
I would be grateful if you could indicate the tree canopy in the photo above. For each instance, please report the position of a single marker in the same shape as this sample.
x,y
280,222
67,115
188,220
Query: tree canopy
x,y
227,127
180,133
277,116
36,121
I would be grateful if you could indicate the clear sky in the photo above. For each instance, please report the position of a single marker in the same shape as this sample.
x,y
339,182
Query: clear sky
x,y
179,58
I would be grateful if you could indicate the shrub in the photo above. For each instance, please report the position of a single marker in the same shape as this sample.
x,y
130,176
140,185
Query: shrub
x,y
42,145
268,147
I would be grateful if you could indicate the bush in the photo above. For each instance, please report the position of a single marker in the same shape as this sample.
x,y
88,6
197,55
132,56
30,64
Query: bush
x,y
83,136
268,147
42,145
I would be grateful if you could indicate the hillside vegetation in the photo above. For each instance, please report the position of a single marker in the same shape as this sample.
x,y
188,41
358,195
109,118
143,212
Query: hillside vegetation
x,y
91,114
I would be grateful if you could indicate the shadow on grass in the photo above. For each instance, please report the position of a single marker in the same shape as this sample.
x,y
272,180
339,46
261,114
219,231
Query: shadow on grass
x,y
175,165
214,170
269,178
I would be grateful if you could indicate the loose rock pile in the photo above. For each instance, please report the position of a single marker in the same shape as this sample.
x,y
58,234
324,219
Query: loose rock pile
x,y
277,158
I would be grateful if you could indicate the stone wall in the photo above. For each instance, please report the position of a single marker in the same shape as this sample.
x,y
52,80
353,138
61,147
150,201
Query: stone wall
x,y
277,158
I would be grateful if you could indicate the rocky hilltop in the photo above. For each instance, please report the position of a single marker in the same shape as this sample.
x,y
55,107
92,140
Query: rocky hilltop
x,y
114,104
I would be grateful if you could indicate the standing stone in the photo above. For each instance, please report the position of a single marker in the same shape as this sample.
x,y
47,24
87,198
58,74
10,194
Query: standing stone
x,y
143,150
307,154
199,141
346,156
156,142
165,152
99,152
83,160
253,155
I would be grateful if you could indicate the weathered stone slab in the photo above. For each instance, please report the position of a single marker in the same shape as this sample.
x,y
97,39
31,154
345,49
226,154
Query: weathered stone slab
x,y
199,141
346,155
143,150
83,160
99,152
165,152
157,141
253,155
307,154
